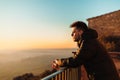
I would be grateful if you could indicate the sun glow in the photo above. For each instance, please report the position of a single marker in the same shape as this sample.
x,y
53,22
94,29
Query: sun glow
x,y
35,44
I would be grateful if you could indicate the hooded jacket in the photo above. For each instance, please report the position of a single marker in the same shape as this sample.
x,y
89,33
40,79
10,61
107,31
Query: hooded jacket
x,y
94,57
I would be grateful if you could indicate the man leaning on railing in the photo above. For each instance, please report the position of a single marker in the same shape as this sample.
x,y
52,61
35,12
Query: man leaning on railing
x,y
91,54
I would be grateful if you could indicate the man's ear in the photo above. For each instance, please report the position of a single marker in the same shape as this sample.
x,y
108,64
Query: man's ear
x,y
80,31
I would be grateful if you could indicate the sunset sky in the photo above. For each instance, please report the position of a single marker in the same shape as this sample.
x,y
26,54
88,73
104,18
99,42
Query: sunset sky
x,y
31,24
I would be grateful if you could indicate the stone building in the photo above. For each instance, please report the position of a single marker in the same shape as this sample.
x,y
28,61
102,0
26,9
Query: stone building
x,y
109,23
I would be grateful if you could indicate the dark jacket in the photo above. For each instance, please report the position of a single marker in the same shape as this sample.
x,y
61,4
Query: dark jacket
x,y
94,57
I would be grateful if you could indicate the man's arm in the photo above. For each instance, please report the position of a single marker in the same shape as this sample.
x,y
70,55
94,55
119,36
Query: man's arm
x,y
86,53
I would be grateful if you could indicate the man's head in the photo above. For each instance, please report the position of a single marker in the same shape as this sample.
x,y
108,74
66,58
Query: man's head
x,y
78,28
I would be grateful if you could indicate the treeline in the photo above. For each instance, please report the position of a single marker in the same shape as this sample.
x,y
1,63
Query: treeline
x,y
112,43
31,76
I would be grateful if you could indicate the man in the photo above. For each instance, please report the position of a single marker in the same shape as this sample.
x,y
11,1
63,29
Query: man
x,y
91,54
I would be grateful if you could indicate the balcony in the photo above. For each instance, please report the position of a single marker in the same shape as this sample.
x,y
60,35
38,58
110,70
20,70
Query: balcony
x,y
65,74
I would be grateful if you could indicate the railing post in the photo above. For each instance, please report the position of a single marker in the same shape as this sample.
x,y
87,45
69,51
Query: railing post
x,y
65,74
79,73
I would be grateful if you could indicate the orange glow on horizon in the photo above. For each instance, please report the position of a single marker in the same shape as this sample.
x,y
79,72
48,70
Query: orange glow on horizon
x,y
27,44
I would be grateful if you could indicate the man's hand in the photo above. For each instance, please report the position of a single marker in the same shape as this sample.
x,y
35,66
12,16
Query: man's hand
x,y
56,64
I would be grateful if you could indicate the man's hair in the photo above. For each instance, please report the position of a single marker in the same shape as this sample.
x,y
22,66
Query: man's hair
x,y
79,25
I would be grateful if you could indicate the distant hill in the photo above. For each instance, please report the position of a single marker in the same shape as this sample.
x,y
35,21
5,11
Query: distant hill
x,y
35,61
29,76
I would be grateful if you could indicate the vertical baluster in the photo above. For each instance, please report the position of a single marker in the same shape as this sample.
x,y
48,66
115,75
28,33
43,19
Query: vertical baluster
x,y
76,73
70,74
62,76
79,73
53,78
59,75
65,74
73,74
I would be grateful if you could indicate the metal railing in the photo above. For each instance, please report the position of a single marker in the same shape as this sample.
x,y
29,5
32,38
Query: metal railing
x,y
65,74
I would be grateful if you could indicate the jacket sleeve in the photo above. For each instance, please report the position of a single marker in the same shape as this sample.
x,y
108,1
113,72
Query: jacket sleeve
x,y
86,53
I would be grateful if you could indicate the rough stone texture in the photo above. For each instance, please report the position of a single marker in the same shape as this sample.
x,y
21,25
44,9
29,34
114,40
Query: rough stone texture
x,y
109,23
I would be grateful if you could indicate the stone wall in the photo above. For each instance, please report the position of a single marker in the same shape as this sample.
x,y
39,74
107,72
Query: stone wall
x,y
109,24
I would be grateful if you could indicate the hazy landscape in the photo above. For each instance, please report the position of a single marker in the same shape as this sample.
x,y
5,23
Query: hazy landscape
x,y
15,63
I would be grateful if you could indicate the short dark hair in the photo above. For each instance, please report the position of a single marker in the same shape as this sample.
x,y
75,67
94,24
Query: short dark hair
x,y
79,25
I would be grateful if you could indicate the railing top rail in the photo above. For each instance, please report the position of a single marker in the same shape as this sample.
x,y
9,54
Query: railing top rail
x,y
53,74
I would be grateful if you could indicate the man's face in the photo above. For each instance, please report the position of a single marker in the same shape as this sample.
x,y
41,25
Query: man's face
x,y
76,34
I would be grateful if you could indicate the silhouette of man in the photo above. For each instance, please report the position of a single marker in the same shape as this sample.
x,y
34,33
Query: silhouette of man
x,y
91,54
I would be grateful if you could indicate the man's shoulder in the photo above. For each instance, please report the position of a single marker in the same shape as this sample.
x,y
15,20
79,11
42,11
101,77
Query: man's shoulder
x,y
91,41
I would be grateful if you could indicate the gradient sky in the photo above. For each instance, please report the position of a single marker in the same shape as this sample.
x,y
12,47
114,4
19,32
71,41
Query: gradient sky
x,y
27,24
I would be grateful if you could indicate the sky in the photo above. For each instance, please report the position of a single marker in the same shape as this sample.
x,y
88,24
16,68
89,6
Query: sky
x,y
31,24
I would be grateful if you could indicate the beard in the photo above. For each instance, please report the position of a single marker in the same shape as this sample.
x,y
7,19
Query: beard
x,y
77,38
